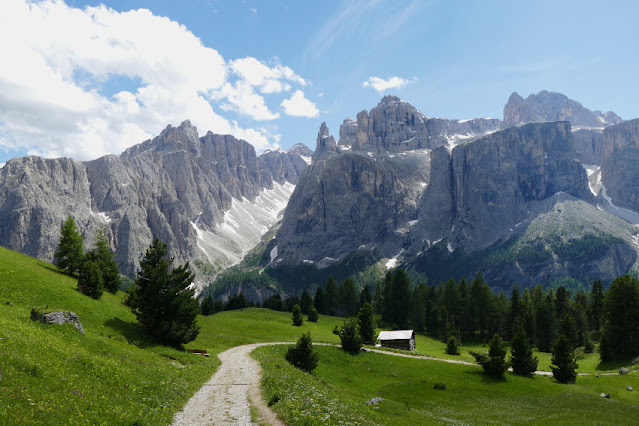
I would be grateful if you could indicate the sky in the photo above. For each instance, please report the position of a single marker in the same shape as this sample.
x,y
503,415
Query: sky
x,y
83,78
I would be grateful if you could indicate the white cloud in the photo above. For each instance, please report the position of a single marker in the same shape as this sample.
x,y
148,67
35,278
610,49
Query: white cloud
x,y
299,106
59,63
382,85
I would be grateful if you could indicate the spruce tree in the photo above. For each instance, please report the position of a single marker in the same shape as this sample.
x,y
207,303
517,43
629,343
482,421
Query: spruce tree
x,y
595,306
70,251
302,355
521,359
496,365
296,316
331,296
312,314
563,362
351,341
305,302
207,305
106,262
90,278
366,324
620,334
320,301
162,300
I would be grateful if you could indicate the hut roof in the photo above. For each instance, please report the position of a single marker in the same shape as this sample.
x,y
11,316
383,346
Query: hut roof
x,y
396,334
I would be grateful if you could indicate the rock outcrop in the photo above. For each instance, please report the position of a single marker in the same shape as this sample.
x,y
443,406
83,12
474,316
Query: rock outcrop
x,y
58,317
620,164
190,192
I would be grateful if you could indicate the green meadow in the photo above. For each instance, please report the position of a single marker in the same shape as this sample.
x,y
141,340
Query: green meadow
x,y
115,374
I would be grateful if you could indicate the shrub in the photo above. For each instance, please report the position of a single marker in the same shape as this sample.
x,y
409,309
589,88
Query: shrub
x,y
439,386
302,355
452,347
351,341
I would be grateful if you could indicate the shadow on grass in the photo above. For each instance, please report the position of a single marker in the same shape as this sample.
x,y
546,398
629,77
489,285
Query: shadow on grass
x,y
485,378
614,365
133,332
53,268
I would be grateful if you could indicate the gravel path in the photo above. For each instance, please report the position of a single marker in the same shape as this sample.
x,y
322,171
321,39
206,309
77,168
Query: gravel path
x,y
227,397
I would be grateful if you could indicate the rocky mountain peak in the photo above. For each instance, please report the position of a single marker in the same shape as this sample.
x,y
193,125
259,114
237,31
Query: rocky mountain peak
x,y
326,146
553,106
301,150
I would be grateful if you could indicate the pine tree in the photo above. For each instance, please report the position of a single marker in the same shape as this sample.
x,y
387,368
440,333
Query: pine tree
x,y
564,361
595,307
312,314
305,302
70,251
207,305
366,324
302,355
348,298
620,334
522,360
90,278
351,341
320,301
296,316
496,365
162,300
106,262
545,325
331,296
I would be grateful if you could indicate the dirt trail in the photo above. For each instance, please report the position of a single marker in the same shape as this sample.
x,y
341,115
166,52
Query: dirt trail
x,y
227,397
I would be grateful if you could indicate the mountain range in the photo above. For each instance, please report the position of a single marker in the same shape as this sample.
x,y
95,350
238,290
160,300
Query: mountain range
x,y
549,193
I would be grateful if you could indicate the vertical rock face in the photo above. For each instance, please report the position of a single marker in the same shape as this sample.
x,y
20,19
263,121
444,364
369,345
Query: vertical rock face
x,y
620,165
326,145
177,187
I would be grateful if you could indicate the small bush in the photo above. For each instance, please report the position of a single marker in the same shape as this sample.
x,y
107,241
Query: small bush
x,y
439,386
452,347
274,399
302,355
297,318
336,331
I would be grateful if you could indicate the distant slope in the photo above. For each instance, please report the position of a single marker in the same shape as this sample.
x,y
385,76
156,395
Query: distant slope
x,y
209,198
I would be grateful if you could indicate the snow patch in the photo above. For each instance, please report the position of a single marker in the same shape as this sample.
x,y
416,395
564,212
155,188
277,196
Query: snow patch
x,y
308,160
413,222
392,262
273,254
102,217
2,165
450,248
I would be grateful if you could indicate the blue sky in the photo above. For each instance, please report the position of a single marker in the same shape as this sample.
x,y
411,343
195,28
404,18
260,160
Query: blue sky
x,y
81,80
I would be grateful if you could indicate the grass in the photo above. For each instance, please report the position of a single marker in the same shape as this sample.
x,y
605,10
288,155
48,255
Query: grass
x,y
115,374
338,389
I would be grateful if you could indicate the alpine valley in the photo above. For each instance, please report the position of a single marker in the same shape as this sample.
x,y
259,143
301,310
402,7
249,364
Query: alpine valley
x,y
548,195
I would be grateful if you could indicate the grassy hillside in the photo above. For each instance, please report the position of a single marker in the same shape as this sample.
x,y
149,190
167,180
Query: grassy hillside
x,y
114,374
337,391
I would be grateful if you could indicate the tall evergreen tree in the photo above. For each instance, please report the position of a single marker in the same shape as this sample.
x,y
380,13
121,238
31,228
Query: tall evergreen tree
x,y
495,363
515,313
90,278
348,297
70,251
106,262
320,301
305,302
365,295
162,300
562,301
563,361
366,324
331,296
400,298
351,340
521,359
545,325
620,335
595,306
208,305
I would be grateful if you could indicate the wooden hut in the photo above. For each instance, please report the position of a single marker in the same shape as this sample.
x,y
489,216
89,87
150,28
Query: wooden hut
x,y
398,339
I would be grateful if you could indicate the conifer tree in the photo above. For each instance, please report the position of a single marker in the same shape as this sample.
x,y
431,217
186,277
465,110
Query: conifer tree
x,y
207,305
351,341
563,362
452,348
70,251
595,306
162,300
106,262
521,359
305,302
620,334
90,278
296,316
366,324
302,355
320,301
496,365
331,296
312,314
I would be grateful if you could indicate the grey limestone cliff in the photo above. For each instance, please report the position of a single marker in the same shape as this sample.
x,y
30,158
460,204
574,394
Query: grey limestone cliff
x,y
620,165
